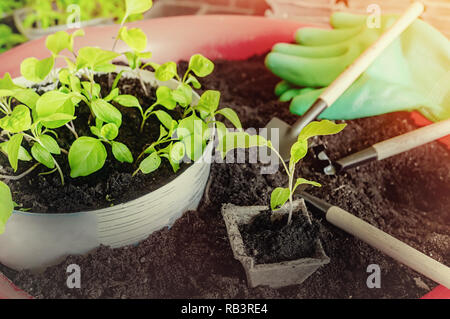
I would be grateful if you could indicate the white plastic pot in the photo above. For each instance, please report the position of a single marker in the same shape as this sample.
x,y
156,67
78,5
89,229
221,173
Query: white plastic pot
x,y
34,241
274,275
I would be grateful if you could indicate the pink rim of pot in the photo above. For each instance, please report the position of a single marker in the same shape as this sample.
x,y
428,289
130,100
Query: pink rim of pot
x,y
210,35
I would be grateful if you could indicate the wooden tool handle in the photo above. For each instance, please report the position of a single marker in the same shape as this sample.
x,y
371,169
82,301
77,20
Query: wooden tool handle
x,y
390,245
341,83
412,139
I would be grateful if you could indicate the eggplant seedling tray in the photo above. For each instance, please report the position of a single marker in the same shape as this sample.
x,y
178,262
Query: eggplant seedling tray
x,y
275,275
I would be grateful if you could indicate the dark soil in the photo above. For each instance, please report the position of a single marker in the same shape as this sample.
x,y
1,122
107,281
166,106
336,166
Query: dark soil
x,y
406,196
271,240
114,183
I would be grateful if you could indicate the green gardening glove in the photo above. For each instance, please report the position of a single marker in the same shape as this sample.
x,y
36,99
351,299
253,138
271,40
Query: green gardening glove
x,y
413,73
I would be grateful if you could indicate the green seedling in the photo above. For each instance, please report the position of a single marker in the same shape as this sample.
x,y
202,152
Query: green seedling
x,y
48,13
136,40
30,123
8,38
191,132
88,154
8,6
281,195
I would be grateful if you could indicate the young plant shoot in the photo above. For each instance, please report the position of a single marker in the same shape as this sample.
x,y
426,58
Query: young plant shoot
x,y
31,123
299,149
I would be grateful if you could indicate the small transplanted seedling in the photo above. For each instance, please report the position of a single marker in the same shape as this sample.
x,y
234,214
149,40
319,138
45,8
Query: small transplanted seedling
x,y
299,149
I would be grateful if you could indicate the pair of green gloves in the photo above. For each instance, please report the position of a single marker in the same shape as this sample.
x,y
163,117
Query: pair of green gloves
x,y
413,73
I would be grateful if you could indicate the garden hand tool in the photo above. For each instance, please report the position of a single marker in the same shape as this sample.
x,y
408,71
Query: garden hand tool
x,y
288,135
382,241
411,74
385,149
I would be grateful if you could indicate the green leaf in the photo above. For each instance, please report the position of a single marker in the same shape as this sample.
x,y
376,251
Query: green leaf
x,y
194,134
57,42
166,71
137,6
70,63
18,121
150,164
164,118
43,156
61,40
112,95
110,131
77,33
298,151
209,101
96,131
279,197
135,38
24,155
75,84
164,97
57,117
95,89
200,65
95,59
6,205
301,181
154,65
191,125
144,55
6,93
162,133
55,102
324,127
177,152
36,70
132,59
106,112
221,130
127,101
121,152
231,116
26,96
175,165
6,83
50,144
193,80
86,156
64,76
13,149
233,140
183,95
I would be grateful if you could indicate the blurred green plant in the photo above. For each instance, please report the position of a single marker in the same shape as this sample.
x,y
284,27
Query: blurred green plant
x,y
8,38
48,13
8,6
